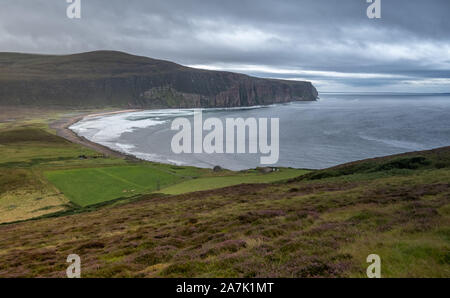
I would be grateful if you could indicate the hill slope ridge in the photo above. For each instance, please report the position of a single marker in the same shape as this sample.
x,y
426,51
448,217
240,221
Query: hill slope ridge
x,y
117,79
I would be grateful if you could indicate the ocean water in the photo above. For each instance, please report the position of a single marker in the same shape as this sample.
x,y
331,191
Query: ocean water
x,y
338,128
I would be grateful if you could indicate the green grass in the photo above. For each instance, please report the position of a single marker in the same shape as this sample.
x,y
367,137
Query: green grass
x,y
32,143
303,227
92,186
413,255
224,181
26,148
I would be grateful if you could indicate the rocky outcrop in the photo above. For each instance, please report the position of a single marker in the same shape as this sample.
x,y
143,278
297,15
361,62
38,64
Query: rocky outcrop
x,y
115,79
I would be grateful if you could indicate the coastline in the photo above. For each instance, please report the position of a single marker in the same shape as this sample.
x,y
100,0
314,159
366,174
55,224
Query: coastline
x,y
62,129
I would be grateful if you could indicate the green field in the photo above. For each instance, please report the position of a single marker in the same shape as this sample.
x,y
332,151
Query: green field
x,y
27,148
91,186
224,181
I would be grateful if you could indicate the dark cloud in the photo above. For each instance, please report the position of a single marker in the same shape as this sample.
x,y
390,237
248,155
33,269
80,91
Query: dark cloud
x,y
332,43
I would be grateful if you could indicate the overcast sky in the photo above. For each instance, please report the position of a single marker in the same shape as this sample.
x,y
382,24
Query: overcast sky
x,y
329,42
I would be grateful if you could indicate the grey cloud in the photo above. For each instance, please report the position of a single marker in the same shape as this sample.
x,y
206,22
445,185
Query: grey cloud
x,y
412,39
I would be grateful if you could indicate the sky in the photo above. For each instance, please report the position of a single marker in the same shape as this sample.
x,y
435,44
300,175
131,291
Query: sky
x,y
331,43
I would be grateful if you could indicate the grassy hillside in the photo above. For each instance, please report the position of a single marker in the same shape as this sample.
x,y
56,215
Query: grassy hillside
x,y
324,223
251,176
26,145
115,79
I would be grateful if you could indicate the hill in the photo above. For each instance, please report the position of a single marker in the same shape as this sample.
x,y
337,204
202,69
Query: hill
x,y
116,79
321,224
129,218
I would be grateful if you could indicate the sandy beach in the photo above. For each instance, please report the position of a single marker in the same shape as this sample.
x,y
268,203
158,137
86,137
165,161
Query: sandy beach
x,y
61,126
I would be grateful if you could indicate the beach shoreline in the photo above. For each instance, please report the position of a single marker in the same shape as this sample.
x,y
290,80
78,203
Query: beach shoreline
x,y
62,129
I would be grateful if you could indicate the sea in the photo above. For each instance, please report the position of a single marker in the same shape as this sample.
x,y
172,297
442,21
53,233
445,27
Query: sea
x,y
335,129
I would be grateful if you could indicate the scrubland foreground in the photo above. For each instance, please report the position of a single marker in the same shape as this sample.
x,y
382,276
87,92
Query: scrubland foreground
x,y
319,224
